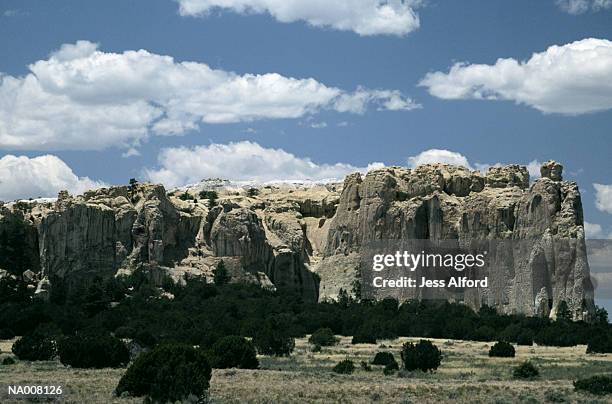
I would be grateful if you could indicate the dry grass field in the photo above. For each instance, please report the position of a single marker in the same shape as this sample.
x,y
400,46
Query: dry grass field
x,y
467,375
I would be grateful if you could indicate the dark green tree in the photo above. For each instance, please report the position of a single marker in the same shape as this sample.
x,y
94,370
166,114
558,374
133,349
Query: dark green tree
x,y
502,349
93,351
35,347
601,315
221,275
323,337
233,352
168,373
423,355
563,312
211,196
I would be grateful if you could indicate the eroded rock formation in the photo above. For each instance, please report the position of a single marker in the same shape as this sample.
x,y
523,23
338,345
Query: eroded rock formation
x,y
543,260
310,238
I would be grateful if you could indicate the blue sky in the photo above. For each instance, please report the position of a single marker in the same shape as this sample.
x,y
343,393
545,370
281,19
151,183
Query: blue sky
x,y
384,64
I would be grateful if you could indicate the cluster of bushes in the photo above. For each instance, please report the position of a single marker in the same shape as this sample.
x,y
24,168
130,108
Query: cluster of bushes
x,y
364,336
79,351
93,351
201,313
423,356
232,322
599,385
387,360
36,346
600,343
271,339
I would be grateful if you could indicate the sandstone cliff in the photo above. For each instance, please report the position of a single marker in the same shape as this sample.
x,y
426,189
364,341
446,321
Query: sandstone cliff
x,y
543,260
310,238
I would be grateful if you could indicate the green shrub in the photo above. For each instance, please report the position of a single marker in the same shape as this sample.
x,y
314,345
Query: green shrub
x,y
316,348
167,373
526,370
600,343
502,349
6,333
91,351
8,361
185,196
221,275
344,367
383,358
390,368
366,366
323,337
363,337
271,340
525,338
35,347
233,352
599,385
211,196
424,356
386,359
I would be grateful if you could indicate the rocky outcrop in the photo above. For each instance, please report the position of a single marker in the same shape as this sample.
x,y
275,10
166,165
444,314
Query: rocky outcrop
x,y
311,238
118,230
540,255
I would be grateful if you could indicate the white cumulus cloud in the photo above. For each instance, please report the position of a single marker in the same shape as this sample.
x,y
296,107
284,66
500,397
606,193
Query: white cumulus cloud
x,y
364,17
603,197
44,176
454,158
568,79
359,100
593,230
81,98
582,6
246,161
439,156
534,168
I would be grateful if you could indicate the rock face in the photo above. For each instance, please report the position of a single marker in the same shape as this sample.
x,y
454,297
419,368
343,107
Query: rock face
x,y
543,261
311,238
118,230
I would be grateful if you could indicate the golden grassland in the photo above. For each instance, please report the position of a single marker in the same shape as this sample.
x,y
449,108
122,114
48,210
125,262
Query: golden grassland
x,y
467,375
